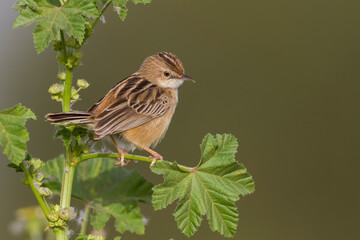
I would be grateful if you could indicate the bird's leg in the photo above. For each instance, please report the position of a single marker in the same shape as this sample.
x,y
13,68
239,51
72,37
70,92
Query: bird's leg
x,y
155,156
121,160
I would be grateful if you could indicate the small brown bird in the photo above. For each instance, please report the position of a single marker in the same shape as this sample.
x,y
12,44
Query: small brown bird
x,y
137,110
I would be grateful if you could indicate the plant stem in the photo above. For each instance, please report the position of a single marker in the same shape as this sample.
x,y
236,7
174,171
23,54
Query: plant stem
x,y
63,44
69,167
106,5
133,157
41,202
86,219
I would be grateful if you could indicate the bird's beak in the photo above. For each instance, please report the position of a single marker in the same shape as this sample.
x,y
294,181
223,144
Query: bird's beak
x,y
186,78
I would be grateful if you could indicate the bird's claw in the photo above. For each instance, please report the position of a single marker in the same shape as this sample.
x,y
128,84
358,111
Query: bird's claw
x,y
122,161
154,159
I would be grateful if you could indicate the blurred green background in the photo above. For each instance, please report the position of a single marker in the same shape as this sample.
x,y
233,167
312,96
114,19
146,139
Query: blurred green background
x,y
282,76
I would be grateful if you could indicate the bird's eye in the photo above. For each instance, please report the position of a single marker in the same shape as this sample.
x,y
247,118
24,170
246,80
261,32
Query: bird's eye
x,y
166,74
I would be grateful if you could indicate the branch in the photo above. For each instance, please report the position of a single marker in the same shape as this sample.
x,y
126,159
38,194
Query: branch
x,y
41,202
127,156
106,5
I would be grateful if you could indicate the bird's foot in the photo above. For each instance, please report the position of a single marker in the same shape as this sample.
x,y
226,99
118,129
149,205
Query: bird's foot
x,y
154,158
121,160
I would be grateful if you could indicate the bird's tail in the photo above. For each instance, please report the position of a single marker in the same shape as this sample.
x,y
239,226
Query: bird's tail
x,y
73,117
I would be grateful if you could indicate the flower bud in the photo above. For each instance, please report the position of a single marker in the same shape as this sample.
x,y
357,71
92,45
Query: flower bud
x,y
56,98
76,63
55,89
65,214
77,54
44,191
35,165
74,95
53,216
61,76
82,83
56,208
25,181
39,177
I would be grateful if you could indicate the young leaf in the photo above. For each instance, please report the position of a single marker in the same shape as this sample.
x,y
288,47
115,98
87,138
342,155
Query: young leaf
x,y
211,188
50,19
111,191
13,134
121,9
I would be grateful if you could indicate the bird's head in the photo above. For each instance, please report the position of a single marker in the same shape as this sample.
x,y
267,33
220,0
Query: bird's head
x,y
165,70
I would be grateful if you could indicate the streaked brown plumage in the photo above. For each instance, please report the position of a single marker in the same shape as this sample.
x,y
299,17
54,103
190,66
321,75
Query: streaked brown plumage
x,y
138,109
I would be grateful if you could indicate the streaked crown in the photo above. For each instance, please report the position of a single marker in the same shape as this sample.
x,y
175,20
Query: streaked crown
x,y
163,61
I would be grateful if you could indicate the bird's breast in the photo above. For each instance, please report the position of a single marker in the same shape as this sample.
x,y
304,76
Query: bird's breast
x,y
151,132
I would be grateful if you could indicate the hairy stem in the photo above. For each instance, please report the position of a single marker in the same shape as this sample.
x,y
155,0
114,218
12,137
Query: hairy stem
x,y
69,167
106,5
128,156
41,202
86,219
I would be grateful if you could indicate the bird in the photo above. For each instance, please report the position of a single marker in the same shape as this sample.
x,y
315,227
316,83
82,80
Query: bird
x,y
137,111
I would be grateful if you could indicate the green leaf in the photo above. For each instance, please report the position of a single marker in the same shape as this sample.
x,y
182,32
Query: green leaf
x,y
65,133
127,217
211,188
13,133
111,191
121,9
51,19
16,167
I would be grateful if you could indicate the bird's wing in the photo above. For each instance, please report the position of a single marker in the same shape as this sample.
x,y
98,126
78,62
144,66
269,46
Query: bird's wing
x,y
129,104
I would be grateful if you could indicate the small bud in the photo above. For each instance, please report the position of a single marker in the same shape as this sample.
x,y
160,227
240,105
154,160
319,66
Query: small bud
x,y
35,165
53,216
60,223
82,83
37,184
56,98
74,95
55,89
77,54
56,208
61,76
76,63
65,214
39,177
25,181
44,191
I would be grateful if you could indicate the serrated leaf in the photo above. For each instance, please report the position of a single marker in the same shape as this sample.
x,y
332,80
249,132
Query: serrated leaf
x,y
121,9
13,133
127,217
211,188
51,19
109,190
99,218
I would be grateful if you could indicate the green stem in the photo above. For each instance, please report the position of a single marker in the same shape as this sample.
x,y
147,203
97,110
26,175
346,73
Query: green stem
x,y
60,234
63,44
69,167
127,156
38,197
106,5
86,219
67,90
